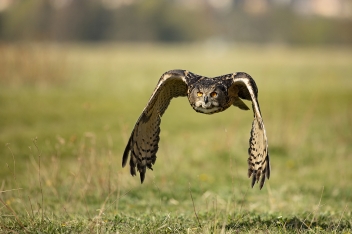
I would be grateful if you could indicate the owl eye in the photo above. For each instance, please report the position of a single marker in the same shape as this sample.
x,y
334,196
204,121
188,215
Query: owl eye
x,y
199,94
213,94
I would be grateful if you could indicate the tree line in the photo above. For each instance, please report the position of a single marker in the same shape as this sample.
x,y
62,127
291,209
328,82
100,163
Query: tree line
x,y
164,21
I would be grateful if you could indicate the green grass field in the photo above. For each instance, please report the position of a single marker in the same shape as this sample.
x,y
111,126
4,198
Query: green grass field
x,y
66,112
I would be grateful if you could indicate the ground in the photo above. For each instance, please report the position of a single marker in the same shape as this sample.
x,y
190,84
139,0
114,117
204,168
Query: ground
x,y
66,112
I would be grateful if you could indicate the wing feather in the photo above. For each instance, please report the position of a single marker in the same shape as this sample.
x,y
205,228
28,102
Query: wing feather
x,y
258,160
142,145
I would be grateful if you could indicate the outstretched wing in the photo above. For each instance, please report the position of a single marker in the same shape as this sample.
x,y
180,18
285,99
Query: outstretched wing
x,y
243,86
143,143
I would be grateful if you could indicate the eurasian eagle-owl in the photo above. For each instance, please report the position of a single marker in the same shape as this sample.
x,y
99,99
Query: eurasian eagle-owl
x,y
207,96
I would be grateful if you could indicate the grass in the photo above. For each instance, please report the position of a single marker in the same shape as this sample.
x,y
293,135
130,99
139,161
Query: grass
x,y
66,112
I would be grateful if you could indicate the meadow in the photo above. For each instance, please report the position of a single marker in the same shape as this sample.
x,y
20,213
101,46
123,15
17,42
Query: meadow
x,y
66,112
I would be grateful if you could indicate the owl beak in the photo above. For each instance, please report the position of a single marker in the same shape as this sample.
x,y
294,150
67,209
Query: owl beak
x,y
206,99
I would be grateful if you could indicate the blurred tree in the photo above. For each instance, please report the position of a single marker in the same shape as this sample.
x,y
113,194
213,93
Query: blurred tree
x,y
80,20
154,20
166,21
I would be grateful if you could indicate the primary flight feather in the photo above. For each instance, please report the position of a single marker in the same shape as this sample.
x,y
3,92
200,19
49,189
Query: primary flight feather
x,y
207,96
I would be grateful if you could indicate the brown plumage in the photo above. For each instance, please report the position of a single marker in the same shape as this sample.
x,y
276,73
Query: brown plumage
x,y
207,96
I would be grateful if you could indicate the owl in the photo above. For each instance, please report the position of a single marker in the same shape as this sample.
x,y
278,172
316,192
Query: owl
x,y
206,96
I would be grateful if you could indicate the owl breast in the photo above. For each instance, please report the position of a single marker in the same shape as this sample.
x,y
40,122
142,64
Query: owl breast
x,y
208,111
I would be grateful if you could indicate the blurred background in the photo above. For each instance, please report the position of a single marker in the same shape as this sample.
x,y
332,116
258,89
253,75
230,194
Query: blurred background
x,y
306,22
76,74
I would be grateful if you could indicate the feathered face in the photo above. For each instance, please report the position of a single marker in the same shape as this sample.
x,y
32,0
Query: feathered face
x,y
207,100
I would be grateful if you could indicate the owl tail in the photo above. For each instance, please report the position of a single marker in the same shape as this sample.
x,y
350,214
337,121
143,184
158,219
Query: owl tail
x,y
240,104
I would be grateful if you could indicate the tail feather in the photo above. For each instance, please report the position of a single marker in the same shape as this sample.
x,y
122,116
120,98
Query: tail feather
x,y
240,104
258,160
127,151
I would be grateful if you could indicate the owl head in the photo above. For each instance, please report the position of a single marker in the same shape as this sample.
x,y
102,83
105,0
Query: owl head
x,y
208,99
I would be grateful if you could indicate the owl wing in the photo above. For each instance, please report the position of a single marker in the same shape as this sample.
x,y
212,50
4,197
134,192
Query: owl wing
x,y
142,145
243,86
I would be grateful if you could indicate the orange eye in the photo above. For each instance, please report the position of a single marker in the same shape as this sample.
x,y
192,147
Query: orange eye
x,y
213,94
199,94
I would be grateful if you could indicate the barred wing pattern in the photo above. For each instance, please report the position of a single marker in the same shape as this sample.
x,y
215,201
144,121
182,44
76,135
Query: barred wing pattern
x,y
143,143
258,160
